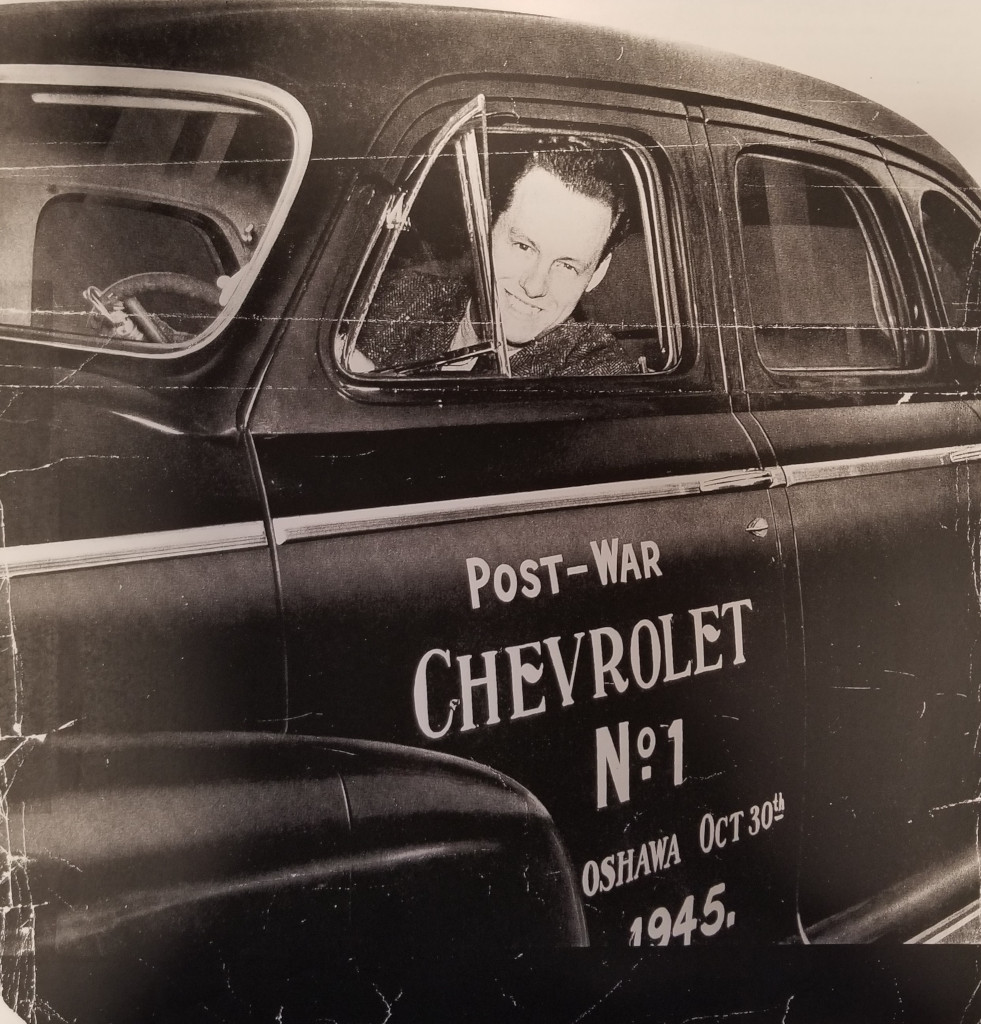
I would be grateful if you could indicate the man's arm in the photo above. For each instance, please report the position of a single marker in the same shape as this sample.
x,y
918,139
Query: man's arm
x,y
413,317
573,349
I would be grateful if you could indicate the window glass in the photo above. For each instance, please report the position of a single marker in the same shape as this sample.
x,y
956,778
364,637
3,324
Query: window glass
x,y
818,300
128,216
571,249
952,240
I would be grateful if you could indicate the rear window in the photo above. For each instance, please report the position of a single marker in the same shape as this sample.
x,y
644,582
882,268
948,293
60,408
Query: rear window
x,y
953,242
136,215
818,286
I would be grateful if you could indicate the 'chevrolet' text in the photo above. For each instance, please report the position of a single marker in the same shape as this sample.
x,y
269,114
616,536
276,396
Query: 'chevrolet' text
x,y
461,692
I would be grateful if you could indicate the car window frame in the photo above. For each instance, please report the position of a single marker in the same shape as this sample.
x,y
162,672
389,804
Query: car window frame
x,y
973,274
666,261
395,214
191,86
914,180
879,251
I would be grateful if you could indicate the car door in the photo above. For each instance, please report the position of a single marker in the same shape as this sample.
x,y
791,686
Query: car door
x,y
136,587
576,581
852,384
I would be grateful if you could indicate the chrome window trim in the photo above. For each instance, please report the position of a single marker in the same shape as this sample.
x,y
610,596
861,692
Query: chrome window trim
x,y
59,556
877,250
335,524
226,87
385,235
875,465
651,195
934,187
943,930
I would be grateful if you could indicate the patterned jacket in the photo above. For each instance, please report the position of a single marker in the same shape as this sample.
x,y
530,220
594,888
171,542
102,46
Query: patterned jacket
x,y
415,316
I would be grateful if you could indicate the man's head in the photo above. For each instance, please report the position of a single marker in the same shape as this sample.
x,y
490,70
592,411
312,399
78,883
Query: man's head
x,y
553,238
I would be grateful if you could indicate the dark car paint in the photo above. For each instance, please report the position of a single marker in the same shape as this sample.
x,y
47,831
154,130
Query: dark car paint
x,y
212,830
873,606
858,583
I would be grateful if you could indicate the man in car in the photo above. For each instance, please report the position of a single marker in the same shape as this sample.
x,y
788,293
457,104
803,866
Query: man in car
x,y
551,243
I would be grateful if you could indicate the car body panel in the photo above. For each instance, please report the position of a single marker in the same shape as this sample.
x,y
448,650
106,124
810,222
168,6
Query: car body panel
x,y
684,657
577,494
183,837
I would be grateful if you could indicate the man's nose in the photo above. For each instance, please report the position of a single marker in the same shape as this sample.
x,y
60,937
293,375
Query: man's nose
x,y
535,279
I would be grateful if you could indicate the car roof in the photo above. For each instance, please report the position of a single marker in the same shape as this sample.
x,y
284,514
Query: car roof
x,y
370,56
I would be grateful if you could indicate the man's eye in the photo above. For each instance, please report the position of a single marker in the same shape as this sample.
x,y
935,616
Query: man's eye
x,y
570,267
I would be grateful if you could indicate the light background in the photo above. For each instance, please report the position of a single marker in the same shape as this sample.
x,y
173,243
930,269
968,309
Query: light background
x,y
922,59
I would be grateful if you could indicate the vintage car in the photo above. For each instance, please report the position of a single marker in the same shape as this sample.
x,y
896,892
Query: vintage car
x,y
319,643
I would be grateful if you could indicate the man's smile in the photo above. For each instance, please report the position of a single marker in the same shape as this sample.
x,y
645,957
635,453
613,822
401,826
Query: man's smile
x,y
521,306
547,247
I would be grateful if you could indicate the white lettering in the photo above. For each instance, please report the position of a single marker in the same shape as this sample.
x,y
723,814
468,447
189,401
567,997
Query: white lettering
x,y
612,763
618,661
636,666
720,840
522,673
609,875
533,585
736,608
550,562
706,833
468,684
650,553
562,677
625,859
717,833
643,861
734,820
505,583
671,673
629,564
664,852
478,573
607,666
590,878
420,696
705,632
626,866
605,557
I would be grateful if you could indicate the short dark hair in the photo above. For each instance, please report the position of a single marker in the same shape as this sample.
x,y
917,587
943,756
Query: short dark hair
x,y
593,169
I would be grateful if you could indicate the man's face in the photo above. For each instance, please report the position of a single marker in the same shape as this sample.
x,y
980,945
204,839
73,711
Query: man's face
x,y
547,248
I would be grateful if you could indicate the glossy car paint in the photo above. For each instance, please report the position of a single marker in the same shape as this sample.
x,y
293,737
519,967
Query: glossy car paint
x,y
272,544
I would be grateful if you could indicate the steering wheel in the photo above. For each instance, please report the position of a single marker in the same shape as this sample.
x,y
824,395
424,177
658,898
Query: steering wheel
x,y
126,292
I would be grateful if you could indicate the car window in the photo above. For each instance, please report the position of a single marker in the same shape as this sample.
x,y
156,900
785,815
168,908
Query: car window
x,y
818,291
571,241
953,242
133,219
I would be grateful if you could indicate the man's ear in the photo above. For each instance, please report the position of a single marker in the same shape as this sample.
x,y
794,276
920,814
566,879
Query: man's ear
x,y
600,272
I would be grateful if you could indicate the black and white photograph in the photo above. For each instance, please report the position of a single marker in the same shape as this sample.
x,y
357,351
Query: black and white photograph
x,y
490,512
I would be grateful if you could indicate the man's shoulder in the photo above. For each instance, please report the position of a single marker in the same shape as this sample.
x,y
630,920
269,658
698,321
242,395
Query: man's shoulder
x,y
430,276
414,313
584,348
425,284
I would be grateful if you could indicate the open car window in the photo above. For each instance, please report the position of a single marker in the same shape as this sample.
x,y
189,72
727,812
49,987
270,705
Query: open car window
x,y
135,214
518,253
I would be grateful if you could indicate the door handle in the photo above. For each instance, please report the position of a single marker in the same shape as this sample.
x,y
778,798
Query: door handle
x,y
759,527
